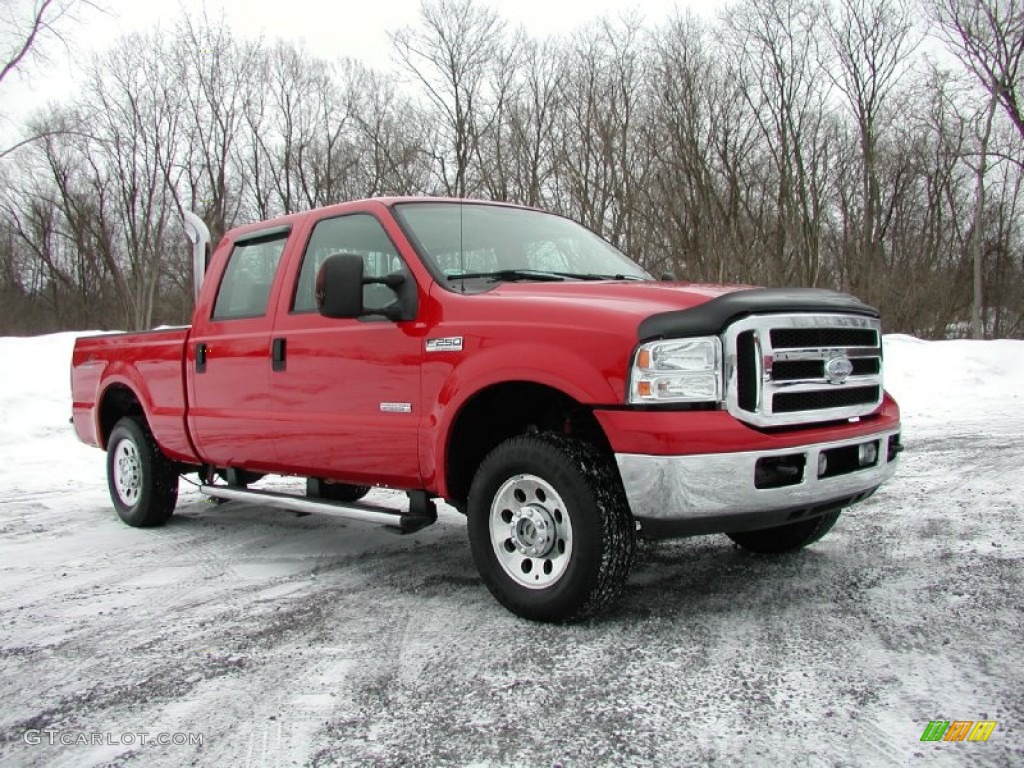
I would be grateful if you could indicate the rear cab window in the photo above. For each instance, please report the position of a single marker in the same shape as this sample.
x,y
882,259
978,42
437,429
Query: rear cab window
x,y
244,290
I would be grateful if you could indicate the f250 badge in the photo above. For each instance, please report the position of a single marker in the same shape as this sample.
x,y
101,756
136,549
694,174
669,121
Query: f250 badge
x,y
445,344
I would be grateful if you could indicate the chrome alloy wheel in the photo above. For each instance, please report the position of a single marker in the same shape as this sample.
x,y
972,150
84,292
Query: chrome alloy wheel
x,y
127,472
530,531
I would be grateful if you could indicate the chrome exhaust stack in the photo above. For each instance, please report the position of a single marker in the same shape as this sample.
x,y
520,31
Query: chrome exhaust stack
x,y
199,234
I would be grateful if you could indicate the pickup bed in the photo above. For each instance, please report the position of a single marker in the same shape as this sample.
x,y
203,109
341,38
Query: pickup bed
x,y
509,362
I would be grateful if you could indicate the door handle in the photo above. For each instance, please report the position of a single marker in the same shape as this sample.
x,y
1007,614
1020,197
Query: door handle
x,y
201,350
277,354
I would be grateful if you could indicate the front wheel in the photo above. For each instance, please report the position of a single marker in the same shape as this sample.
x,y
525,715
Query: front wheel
x,y
786,538
143,483
549,527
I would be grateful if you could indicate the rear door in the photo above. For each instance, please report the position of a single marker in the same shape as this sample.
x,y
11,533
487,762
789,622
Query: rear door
x,y
346,393
229,357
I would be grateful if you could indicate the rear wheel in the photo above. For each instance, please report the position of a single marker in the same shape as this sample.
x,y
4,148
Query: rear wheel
x,y
143,483
240,478
786,538
322,489
549,527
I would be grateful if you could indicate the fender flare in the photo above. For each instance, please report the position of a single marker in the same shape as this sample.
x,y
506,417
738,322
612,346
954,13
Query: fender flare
x,y
543,366
126,377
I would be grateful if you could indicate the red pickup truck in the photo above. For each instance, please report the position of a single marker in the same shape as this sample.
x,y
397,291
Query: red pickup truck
x,y
505,360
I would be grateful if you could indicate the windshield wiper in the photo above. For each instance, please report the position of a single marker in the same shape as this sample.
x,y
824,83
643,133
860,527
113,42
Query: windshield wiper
x,y
594,276
510,275
538,274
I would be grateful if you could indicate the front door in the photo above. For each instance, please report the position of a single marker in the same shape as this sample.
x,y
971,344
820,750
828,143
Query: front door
x,y
346,392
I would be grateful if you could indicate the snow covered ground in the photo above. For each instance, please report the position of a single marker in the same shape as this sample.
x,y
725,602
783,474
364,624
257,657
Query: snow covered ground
x,y
289,640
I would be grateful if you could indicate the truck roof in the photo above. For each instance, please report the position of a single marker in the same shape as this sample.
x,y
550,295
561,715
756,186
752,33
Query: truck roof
x,y
293,218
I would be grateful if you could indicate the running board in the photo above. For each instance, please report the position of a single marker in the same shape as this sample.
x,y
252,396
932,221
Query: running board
x,y
402,522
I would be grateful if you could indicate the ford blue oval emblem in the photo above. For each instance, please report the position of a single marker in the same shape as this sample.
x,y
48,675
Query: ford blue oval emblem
x,y
838,369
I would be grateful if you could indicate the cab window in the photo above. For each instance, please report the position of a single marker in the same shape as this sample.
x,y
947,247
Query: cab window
x,y
360,234
245,288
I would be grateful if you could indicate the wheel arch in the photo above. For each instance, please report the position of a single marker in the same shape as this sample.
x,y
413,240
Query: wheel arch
x,y
503,410
117,401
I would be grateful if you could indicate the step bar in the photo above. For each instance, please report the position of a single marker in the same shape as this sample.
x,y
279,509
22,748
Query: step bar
x,y
421,512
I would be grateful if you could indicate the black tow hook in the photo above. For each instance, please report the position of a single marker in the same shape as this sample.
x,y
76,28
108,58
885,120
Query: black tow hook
x,y
895,447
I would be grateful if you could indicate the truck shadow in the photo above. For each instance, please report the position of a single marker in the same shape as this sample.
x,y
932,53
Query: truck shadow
x,y
675,579
710,576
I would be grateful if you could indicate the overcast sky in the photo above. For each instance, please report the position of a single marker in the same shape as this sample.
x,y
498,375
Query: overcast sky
x,y
354,28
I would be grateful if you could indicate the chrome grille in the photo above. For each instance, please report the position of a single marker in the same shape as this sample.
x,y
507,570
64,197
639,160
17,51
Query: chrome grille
x,y
803,368
795,338
789,402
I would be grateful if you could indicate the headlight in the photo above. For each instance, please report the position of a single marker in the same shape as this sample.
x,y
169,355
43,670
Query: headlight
x,y
677,371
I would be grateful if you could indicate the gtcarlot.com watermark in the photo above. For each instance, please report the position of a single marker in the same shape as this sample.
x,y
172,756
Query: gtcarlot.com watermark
x,y
54,737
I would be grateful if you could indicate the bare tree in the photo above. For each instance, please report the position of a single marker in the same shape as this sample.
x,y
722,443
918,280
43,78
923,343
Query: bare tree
x,y
602,160
978,228
775,47
216,77
451,54
1003,309
26,26
700,199
871,42
789,142
124,171
988,37
494,158
387,136
300,127
925,289
533,122
53,213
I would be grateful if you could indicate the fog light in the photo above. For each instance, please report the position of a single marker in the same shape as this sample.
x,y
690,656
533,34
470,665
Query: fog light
x,y
867,454
822,464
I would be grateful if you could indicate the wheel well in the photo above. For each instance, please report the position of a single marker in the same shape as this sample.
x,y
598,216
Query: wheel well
x,y
505,410
118,401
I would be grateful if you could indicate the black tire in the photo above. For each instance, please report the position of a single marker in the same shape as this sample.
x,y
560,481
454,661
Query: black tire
x,y
342,491
786,538
243,478
556,503
143,483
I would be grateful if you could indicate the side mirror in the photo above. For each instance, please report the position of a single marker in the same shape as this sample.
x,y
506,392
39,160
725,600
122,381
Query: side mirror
x,y
339,286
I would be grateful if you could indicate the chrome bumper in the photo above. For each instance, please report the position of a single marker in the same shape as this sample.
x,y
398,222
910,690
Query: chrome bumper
x,y
708,486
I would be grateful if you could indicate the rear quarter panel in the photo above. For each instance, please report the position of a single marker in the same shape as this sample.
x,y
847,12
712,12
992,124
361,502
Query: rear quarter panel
x,y
150,364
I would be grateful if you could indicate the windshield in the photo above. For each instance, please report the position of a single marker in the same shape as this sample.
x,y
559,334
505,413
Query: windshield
x,y
472,243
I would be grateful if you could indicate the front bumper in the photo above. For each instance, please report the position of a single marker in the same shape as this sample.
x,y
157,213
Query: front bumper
x,y
706,493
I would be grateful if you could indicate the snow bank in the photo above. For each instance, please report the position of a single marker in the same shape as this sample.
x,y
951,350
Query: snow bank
x,y
35,395
39,452
940,383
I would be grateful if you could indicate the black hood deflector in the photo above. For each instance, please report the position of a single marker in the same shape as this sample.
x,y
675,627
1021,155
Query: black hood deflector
x,y
713,316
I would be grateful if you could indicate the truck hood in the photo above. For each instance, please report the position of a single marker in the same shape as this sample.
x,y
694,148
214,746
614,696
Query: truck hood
x,y
625,301
659,309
